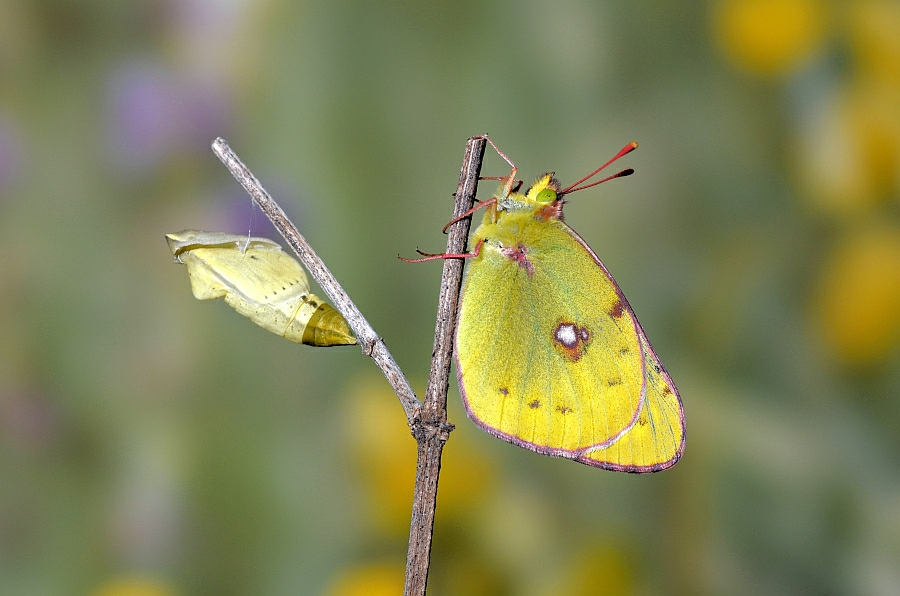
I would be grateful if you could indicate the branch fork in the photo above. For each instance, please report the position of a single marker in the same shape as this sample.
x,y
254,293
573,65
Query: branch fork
x,y
427,419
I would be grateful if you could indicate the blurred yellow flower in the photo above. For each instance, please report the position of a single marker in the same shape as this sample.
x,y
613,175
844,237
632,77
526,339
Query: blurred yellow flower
x,y
850,162
385,454
876,122
875,39
858,305
133,586
598,571
467,475
473,573
770,37
368,580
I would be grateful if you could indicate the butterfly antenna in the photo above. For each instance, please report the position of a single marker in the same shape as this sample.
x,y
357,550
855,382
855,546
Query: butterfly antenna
x,y
625,151
622,174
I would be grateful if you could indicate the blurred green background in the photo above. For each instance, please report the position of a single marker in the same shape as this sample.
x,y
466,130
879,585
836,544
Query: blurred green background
x,y
154,445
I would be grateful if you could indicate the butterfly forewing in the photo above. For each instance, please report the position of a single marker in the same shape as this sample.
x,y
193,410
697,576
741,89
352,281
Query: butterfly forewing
x,y
547,351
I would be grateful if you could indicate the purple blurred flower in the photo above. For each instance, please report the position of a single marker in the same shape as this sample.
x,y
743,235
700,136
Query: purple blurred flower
x,y
154,112
144,115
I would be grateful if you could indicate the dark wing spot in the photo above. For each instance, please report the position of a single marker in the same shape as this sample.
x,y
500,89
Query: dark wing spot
x,y
617,309
614,381
563,410
656,367
666,390
534,404
504,390
624,350
254,257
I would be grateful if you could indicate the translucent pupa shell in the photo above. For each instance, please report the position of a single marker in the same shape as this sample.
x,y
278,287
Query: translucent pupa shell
x,y
261,282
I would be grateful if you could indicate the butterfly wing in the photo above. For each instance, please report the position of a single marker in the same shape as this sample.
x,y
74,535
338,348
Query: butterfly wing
x,y
550,356
656,441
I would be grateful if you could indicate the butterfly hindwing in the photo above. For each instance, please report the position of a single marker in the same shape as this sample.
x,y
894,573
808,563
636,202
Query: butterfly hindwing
x,y
656,441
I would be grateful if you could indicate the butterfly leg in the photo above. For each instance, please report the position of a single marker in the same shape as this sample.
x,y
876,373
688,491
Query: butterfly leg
x,y
435,256
510,181
470,212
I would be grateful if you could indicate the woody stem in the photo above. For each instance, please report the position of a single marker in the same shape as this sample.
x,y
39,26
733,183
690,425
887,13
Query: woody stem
x,y
432,429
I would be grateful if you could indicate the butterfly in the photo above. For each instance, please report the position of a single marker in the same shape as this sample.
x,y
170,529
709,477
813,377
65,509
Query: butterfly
x,y
550,356
261,282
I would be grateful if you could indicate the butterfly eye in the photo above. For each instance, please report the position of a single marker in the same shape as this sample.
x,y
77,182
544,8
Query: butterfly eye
x,y
548,195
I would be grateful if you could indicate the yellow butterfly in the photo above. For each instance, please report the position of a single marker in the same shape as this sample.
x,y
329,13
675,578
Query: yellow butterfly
x,y
261,282
549,354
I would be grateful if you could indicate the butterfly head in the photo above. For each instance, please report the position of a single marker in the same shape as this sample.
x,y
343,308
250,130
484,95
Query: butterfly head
x,y
545,196
542,194
544,191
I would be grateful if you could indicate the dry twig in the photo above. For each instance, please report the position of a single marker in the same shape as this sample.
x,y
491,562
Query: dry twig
x,y
427,421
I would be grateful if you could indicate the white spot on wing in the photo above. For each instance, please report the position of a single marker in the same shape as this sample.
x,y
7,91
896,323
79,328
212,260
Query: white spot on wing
x,y
565,334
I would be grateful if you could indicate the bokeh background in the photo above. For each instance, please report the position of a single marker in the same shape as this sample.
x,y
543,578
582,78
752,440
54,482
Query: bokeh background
x,y
154,445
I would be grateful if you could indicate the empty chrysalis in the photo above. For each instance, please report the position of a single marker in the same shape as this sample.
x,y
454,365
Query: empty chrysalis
x,y
261,282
